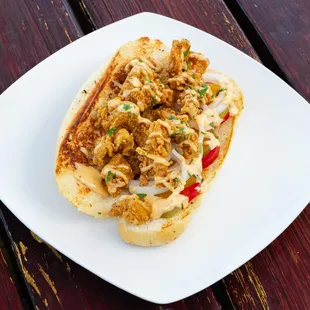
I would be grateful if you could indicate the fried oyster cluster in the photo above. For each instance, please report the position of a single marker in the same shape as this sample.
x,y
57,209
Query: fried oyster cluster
x,y
136,131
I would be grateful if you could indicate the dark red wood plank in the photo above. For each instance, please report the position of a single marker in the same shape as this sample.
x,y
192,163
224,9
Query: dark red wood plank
x,y
284,26
279,276
58,283
30,31
207,15
9,298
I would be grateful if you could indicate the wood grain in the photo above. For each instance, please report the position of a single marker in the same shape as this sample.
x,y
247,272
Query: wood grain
x,y
278,277
9,298
207,15
58,283
30,31
284,26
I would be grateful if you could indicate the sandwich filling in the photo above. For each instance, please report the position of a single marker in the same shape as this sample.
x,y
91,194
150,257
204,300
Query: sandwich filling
x,y
144,149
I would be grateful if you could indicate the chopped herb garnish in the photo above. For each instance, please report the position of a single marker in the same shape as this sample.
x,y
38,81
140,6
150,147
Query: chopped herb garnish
x,y
141,195
193,95
140,60
186,52
84,91
187,66
154,100
111,131
190,87
108,179
114,176
181,129
172,117
212,96
220,90
203,132
176,180
148,80
211,124
182,205
202,180
127,106
194,75
189,136
203,91
99,213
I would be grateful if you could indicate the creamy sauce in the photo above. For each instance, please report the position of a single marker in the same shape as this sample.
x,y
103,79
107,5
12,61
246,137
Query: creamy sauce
x,y
90,177
128,107
227,97
163,205
155,158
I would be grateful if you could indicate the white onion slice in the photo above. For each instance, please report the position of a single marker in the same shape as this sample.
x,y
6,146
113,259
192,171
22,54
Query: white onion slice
x,y
135,188
178,157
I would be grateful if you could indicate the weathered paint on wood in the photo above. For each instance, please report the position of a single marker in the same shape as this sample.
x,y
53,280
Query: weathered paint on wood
x,y
9,297
56,282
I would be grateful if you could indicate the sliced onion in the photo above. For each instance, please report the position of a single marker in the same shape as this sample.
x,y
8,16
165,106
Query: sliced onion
x,y
193,124
220,108
135,188
178,157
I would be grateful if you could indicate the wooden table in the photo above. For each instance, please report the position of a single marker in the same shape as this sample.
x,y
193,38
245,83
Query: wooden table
x,y
277,33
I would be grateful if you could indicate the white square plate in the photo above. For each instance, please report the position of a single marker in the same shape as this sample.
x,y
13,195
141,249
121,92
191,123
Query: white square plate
x,y
261,188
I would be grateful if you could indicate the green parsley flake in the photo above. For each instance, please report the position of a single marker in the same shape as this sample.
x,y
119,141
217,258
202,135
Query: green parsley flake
x,y
203,132
176,180
99,213
220,90
203,91
108,179
154,100
114,176
172,117
140,60
127,106
148,80
182,206
211,124
111,131
187,66
186,52
141,195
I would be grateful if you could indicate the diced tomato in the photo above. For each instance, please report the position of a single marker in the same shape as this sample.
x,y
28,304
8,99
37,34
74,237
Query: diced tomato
x,y
225,118
210,157
190,191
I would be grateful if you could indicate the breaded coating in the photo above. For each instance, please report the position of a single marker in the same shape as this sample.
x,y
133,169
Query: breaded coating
x,y
198,63
123,142
177,54
158,142
117,173
104,148
133,209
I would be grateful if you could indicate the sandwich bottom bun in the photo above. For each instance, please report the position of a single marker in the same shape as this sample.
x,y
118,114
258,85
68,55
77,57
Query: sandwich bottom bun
x,y
158,232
